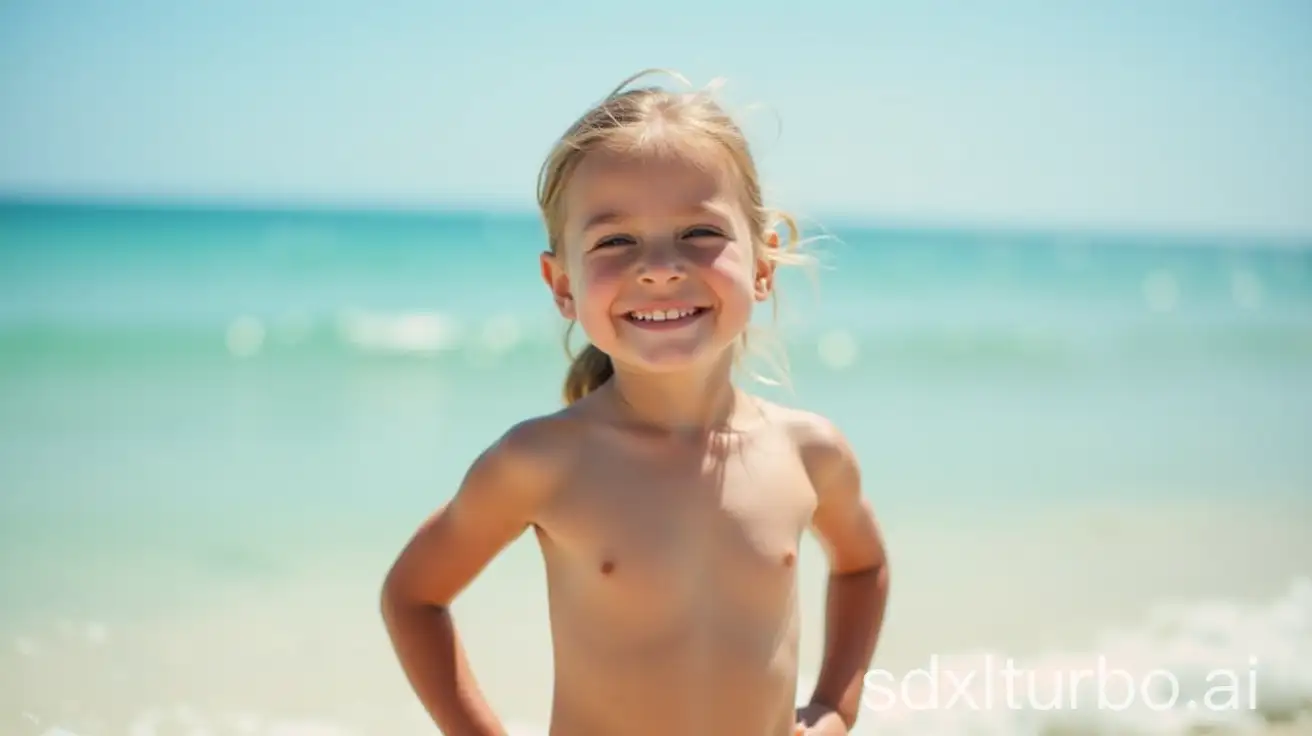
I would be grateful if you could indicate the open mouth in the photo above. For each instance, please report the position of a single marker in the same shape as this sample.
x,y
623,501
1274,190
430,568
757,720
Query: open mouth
x,y
665,317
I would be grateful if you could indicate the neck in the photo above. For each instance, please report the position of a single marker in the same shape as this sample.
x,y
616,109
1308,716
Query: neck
x,y
697,400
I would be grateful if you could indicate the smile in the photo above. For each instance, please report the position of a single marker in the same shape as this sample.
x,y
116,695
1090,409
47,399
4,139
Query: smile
x,y
665,317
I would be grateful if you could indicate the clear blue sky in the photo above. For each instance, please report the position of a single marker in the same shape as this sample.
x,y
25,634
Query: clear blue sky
x,y
1144,114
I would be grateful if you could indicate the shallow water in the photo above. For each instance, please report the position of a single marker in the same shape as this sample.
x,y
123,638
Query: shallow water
x,y
206,415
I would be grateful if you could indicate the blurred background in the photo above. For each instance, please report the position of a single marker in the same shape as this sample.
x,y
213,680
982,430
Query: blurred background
x,y
269,281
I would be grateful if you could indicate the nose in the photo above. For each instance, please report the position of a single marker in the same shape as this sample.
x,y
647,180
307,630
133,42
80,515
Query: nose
x,y
659,266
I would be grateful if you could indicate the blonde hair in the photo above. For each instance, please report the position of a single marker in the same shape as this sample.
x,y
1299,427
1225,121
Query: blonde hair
x,y
653,120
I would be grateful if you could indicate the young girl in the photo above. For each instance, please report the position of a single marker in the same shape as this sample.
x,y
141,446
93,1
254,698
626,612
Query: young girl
x,y
668,503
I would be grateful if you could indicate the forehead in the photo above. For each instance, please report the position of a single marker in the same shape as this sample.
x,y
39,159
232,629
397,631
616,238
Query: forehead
x,y
610,186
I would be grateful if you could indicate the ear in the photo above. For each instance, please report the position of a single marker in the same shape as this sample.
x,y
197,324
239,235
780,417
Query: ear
x,y
553,273
763,279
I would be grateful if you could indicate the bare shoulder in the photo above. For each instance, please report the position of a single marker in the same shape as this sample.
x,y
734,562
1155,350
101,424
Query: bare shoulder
x,y
527,463
499,497
822,447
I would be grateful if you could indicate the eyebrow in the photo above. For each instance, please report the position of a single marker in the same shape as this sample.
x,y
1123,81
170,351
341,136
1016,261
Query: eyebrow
x,y
603,217
611,216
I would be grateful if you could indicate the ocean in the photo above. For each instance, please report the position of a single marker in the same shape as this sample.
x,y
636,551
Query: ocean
x,y
217,426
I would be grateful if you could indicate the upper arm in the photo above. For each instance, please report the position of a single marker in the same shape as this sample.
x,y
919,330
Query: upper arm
x,y
495,502
844,520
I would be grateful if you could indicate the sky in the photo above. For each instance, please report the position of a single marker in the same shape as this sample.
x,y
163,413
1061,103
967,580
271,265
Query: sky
x,y
1148,115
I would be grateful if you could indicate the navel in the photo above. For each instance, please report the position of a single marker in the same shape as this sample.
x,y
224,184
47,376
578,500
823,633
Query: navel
x,y
789,559
607,567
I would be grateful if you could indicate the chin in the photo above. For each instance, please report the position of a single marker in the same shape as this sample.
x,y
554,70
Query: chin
x,y
671,358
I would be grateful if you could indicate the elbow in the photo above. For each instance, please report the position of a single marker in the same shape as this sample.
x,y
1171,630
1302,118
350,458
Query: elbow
x,y
874,581
869,582
871,571
876,569
389,597
878,585
394,596
398,597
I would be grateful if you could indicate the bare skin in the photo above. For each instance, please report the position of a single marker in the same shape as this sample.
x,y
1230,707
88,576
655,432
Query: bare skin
x,y
671,558
668,505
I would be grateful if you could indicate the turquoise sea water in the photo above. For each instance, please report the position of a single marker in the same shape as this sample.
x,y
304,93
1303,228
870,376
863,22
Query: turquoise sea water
x,y
220,394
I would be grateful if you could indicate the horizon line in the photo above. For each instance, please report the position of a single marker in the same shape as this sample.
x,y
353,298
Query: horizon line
x,y
860,221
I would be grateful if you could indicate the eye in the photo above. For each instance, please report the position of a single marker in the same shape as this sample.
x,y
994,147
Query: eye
x,y
613,240
701,232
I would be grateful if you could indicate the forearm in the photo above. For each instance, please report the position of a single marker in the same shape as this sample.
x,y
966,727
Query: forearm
x,y
434,662
854,616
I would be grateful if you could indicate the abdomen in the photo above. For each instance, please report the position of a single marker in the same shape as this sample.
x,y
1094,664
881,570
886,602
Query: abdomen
x,y
705,679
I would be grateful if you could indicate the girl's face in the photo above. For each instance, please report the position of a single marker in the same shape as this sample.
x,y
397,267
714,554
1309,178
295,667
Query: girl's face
x,y
658,264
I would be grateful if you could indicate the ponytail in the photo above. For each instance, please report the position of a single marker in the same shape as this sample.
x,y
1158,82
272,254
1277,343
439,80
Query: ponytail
x,y
587,372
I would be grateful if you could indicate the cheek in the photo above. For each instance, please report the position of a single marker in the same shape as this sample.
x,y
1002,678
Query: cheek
x,y
732,277
598,286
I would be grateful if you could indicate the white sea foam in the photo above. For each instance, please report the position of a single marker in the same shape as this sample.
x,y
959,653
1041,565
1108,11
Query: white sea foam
x,y
407,332
1231,668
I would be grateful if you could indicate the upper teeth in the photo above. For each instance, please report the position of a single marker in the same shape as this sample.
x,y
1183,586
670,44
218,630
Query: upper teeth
x,y
660,315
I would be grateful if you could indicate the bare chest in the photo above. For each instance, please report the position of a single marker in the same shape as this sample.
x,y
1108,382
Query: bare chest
x,y
667,536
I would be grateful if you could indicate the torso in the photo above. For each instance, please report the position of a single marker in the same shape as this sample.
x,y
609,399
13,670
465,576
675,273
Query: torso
x,y
671,568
